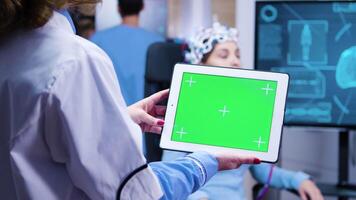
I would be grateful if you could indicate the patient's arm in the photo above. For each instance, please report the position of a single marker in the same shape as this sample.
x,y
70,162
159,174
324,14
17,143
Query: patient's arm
x,y
281,178
287,179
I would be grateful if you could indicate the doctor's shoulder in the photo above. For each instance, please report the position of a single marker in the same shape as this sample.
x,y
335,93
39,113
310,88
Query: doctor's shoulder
x,y
93,51
81,53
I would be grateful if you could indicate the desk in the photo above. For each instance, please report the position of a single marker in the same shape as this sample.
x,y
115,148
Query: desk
x,y
338,191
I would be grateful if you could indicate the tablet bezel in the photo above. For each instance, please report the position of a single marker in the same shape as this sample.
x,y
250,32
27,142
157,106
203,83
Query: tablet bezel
x,y
277,120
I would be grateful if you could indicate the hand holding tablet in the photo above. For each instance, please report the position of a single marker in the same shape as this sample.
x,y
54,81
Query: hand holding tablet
x,y
222,110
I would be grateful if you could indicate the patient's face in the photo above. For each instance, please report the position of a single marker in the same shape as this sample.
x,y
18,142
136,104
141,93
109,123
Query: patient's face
x,y
225,54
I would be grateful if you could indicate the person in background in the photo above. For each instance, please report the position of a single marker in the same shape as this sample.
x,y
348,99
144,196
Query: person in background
x,y
126,45
84,20
65,130
218,46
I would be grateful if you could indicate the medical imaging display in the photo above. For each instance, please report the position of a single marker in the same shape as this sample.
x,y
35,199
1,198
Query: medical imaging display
x,y
315,43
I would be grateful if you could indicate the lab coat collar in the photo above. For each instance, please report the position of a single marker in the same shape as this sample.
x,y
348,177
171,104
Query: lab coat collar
x,y
59,21
69,18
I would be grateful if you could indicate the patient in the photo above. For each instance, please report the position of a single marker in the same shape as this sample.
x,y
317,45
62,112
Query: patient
x,y
218,46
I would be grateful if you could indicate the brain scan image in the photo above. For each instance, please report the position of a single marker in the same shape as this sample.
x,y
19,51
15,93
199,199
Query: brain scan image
x,y
318,51
346,69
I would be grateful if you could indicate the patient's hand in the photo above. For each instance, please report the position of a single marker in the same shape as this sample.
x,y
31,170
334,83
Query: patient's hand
x,y
309,189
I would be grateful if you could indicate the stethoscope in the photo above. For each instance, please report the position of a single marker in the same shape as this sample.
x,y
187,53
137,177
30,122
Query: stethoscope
x,y
127,179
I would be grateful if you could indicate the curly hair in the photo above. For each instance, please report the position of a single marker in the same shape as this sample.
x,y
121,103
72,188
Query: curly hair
x,y
31,14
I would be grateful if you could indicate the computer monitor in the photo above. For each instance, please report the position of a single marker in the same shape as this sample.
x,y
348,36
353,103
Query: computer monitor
x,y
315,43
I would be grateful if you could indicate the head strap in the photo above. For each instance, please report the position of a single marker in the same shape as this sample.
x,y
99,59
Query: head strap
x,y
204,40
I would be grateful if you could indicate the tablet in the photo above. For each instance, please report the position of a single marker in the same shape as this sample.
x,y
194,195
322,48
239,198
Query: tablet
x,y
216,109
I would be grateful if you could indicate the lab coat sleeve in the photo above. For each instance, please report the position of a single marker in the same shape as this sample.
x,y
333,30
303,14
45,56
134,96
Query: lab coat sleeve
x,y
87,126
281,178
185,175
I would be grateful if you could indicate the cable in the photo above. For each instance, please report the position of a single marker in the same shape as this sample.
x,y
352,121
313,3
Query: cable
x,y
265,188
353,159
133,173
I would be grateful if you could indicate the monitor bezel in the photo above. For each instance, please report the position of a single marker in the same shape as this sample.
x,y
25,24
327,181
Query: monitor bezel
x,y
311,124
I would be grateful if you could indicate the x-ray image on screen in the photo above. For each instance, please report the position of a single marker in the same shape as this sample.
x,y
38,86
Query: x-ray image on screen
x,y
315,43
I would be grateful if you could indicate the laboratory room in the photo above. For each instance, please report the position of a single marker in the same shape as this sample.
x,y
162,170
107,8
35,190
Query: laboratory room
x,y
178,99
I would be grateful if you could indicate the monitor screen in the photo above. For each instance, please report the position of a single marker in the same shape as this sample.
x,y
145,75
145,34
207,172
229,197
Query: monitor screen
x,y
315,43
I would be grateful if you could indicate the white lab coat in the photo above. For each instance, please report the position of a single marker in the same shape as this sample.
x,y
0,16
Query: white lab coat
x,y
64,128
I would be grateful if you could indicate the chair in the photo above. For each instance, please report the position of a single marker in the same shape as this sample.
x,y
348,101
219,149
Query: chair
x,y
161,58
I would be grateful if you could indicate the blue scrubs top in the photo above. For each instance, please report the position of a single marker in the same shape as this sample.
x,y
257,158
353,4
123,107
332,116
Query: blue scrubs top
x,y
127,47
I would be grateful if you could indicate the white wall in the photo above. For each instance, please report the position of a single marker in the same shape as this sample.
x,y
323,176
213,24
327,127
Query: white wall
x,y
153,17
107,15
188,16
245,22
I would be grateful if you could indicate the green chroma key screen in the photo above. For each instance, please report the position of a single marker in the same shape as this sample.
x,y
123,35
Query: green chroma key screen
x,y
225,111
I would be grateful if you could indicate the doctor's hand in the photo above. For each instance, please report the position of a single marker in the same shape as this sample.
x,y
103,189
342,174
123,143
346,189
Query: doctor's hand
x,y
147,114
233,161
309,189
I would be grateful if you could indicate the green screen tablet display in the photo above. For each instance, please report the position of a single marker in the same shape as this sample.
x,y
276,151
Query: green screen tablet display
x,y
225,111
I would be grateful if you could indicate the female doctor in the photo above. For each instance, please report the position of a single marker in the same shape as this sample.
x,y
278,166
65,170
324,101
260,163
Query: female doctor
x,y
65,131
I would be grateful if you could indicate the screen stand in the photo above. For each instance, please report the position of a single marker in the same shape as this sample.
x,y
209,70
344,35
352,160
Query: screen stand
x,y
343,189
344,157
